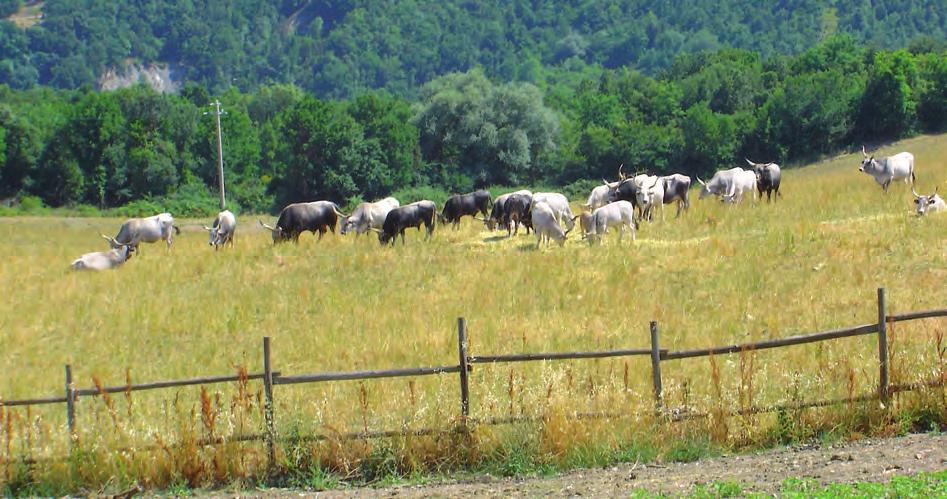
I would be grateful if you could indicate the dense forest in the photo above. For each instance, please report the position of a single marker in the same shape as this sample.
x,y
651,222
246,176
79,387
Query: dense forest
x,y
340,48
148,151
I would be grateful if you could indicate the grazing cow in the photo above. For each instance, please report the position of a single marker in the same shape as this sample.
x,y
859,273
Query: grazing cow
x,y
498,213
412,215
743,182
586,224
768,177
560,207
297,218
368,216
104,260
459,205
928,204
546,225
650,194
885,170
223,230
676,188
728,184
516,212
620,213
149,230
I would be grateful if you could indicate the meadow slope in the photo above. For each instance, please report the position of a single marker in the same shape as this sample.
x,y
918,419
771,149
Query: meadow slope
x,y
721,274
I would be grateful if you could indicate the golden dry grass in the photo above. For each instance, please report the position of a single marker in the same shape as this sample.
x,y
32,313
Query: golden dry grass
x,y
719,275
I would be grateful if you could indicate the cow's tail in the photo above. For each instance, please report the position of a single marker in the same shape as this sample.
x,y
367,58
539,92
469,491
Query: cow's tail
x,y
913,181
177,230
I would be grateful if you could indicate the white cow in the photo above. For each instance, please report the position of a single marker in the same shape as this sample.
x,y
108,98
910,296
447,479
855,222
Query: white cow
x,y
600,194
885,170
546,225
928,204
148,230
223,229
559,205
368,216
743,182
104,260
650,194
620,213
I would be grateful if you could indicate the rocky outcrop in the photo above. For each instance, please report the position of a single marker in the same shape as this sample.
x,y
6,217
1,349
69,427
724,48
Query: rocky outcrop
x,y
159,76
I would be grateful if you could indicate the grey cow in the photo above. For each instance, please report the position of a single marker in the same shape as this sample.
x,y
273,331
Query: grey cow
x,y
886,170
222,232
149,230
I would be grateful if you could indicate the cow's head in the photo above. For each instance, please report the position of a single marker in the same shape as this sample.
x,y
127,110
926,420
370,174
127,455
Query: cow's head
x,y
868,162
704,189
277,232
925,204
345,226
384,238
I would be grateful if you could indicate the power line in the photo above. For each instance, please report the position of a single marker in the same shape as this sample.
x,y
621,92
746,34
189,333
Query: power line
x,y
220,152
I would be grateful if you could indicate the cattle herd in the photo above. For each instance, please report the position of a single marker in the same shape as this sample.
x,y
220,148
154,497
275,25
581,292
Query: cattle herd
x,y
621,204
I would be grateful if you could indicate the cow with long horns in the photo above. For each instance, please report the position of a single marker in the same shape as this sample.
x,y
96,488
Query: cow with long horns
x,y
886,170
768,178
296,218
149,230
928,204
104,260
222,232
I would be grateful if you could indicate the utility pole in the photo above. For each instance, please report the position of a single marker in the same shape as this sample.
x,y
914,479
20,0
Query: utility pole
x,y
220,152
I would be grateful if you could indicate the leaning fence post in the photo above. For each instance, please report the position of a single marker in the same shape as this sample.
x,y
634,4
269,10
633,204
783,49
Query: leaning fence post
x,y
656,365
268,407
882,347
70,403
464,381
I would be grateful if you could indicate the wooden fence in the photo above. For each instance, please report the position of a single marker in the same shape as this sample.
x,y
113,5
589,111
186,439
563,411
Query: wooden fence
x,y
271,378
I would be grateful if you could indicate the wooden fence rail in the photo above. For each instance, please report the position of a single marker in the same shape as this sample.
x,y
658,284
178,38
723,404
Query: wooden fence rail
x,y
271,378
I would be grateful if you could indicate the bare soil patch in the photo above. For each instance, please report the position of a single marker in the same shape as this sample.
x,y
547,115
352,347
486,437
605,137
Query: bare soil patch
x,y
870,460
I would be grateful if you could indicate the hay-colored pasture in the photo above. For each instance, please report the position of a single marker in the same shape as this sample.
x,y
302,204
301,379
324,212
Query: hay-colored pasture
x,y
719,275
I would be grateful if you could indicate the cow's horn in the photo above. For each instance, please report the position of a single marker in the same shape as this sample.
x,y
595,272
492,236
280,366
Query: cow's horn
x,y
701,181
621,176
915,192
206,228
750,162
265,226
864,152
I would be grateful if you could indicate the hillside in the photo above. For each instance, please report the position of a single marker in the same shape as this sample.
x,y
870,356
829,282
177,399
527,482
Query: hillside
x,y
341,48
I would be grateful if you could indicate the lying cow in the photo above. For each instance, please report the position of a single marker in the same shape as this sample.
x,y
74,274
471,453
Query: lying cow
x,y
546,225
149,230
517,212
368,216
768,177
619,213
412,215
104,260
297,218
222,232
460,205
885,170
928,204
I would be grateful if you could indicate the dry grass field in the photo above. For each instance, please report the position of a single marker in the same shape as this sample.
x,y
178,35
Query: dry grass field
x,y
719,275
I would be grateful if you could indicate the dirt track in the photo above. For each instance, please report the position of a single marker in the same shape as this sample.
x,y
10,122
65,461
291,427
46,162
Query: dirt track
x,y
864,461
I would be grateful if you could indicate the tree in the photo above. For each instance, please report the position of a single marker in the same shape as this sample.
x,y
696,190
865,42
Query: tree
x,y
889,104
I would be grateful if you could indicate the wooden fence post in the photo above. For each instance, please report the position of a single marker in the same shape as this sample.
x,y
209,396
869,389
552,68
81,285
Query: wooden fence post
x,y
268,405
70,404
464,381
883,392
656,365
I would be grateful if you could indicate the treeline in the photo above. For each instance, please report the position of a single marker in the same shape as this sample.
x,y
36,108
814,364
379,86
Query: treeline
x,y
281,144
340,48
